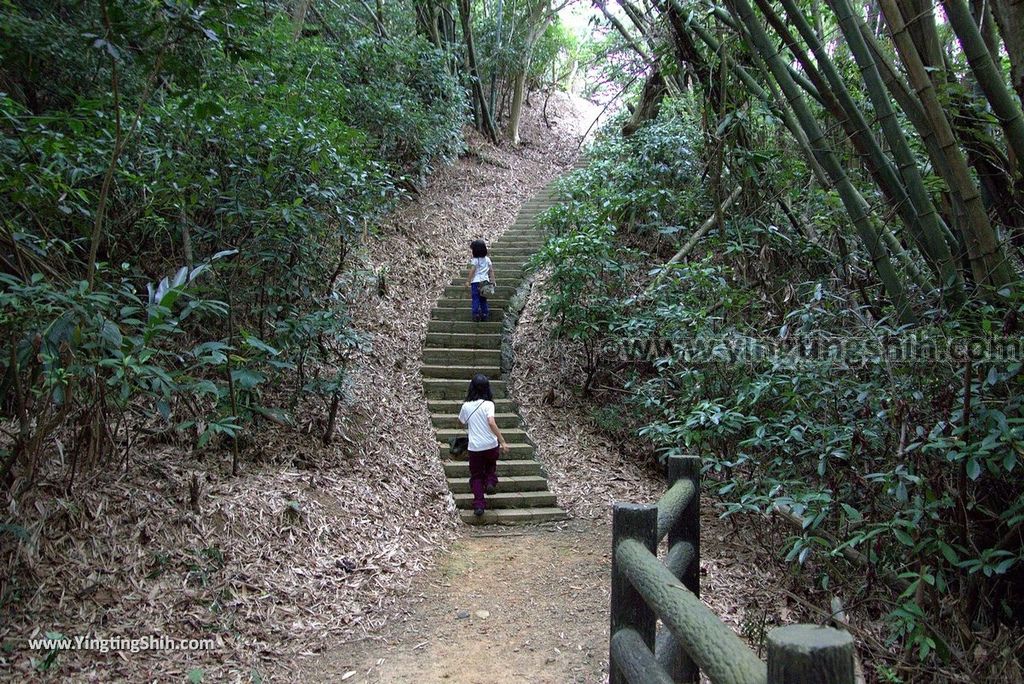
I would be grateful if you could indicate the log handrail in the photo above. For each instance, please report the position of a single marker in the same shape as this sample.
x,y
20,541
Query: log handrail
x,y
646,590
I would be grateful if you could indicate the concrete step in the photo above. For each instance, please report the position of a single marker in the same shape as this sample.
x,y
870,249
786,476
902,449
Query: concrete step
x,y
463,313
466,303
462,292
512,249
473,328
506,261
521,468
462,340
509,500
512,282
506,271
520,483
525,238
517,249
437,356
453,406
514,516
523,226
459,372
445,388
522,239
516,268
519,451
451,421
513,436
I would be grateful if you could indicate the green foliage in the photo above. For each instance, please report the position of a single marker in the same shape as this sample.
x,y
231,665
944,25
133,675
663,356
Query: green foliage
x,y
204,141
550,60
554,54
913,463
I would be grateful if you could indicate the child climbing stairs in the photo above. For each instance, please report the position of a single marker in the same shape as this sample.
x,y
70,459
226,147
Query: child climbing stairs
x,y
456,349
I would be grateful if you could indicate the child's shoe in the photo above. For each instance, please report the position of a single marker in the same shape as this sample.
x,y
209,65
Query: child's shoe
x,y
478,511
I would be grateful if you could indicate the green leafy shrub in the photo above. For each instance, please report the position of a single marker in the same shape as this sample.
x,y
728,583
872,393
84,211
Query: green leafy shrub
x,y
141,140
912,463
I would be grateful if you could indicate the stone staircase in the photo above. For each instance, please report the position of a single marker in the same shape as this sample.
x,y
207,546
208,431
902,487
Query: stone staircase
x,y
456,349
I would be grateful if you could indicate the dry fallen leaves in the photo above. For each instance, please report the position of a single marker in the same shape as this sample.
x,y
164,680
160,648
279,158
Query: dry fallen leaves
x,y
311,544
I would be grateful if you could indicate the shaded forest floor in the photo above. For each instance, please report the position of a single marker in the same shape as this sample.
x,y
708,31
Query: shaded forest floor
x,y
318,561
531,604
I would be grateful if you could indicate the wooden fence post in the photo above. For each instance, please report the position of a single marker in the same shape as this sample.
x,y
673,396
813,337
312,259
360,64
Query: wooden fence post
x,y
810,653
628,608
683,541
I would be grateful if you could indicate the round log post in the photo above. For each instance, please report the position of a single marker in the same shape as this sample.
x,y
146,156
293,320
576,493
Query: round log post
x,y
628,608
810,653
685,533
636,660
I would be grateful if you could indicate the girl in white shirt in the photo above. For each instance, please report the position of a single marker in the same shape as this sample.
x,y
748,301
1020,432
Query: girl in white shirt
x,y
481,270
485,440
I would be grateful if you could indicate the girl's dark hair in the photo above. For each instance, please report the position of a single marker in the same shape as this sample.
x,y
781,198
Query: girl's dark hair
x,y
479,248
479,388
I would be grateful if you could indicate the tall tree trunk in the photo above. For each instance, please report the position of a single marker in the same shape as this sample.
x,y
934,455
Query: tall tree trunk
x,y
855,205
494,68
299,17
988,262
486,122
990,79
1009,16
649,104
515,110
932,227
537,23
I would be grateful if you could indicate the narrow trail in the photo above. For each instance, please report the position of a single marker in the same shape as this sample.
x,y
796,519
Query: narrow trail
x,y
530,603
514,605
457,349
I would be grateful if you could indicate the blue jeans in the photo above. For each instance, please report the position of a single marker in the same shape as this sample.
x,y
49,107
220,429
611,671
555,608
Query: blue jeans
x,y
481,312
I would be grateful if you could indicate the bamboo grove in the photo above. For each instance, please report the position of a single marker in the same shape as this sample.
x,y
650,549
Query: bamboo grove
x,y
826,173
890,89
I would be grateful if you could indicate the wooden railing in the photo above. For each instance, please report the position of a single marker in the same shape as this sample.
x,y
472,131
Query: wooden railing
x,y
646,589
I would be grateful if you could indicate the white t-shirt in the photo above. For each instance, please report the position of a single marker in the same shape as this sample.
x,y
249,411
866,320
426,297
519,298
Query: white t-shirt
x,y
483,269
476,413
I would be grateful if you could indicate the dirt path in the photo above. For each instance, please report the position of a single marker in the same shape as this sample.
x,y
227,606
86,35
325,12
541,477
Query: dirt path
x,y
531,604
509,605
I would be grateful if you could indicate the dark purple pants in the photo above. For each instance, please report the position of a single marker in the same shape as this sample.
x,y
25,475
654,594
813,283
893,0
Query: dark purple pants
x,y
483,472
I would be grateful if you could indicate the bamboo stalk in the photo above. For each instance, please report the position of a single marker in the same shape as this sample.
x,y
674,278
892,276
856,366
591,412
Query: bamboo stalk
x,y
914,206
853,201
775,104
989,78
984,251
932,227
838,101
